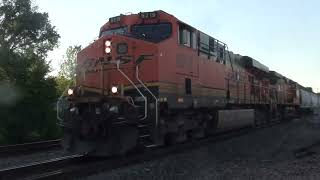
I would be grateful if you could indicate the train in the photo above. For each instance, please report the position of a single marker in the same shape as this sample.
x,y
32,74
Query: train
x,y
152,80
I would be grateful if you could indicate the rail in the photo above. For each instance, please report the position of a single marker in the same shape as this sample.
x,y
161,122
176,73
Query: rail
x,y
29,147
27,171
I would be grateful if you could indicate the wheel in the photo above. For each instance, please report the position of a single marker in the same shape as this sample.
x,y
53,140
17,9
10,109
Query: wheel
x,y
172,138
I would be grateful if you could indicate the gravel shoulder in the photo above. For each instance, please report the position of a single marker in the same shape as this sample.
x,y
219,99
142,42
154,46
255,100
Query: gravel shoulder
x,y
262,154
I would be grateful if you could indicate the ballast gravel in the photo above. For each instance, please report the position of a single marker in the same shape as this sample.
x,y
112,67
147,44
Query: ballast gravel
x,y
262,154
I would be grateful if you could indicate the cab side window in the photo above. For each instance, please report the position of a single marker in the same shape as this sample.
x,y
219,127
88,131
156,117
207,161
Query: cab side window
x,y
194,40
204,45
221,52
187,36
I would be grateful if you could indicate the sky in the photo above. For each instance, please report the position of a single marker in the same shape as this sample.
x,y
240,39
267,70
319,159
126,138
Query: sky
x,y
283,35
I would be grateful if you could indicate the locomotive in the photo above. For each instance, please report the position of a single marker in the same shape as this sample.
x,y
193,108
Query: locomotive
x,y
151,80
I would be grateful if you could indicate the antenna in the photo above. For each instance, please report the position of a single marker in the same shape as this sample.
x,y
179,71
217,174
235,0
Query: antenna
x,y
93,39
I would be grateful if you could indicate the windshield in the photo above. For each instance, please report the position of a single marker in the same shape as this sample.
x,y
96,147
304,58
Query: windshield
x,y
120,30
151,32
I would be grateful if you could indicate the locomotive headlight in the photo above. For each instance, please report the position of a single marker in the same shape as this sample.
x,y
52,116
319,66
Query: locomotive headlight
x,y
108,50
108,43
70,92
74,110
114,109
114,89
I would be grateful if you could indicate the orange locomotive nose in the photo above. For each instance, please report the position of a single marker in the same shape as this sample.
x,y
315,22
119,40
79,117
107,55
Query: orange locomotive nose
x,y
97,62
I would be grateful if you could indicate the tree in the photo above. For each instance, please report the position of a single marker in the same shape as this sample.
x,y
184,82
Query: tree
x,y
3,74
67,68
24,29
68,64
26,36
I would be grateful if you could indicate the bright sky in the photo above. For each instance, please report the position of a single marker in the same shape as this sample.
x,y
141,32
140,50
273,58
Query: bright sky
x,y
284,35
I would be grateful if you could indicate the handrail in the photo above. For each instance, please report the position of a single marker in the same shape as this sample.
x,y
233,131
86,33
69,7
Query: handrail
x,y
137,77
231,63
59,99
145,99
58,117
208,52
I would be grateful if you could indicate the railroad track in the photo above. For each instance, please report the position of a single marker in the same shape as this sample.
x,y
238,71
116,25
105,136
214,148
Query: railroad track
x,y
79,166
29,147
71,167
308,150
36,169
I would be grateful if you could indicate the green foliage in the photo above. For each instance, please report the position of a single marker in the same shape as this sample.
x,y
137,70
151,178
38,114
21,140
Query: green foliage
x,y
67,69
68,64
62,84
24,29
27,94
3,139
3,74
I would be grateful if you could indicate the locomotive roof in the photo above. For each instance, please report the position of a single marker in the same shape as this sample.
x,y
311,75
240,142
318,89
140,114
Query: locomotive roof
x,y
244,61
252,63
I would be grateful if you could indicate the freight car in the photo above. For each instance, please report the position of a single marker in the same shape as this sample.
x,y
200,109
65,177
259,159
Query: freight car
x,y
151,79
308,100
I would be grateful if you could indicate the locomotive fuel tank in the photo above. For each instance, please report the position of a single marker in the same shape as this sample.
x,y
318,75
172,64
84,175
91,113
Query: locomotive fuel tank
x,y
237,118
